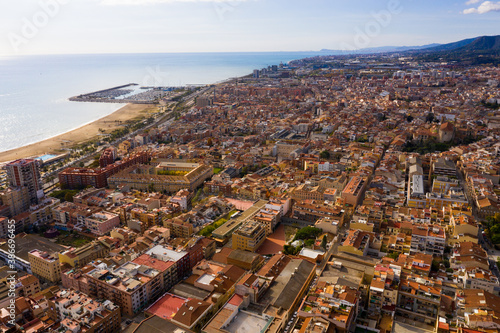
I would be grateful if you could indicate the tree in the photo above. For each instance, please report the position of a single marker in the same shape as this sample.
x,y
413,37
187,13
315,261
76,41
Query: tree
x,y
307,233
435,266
323,242
393,255
68,197
325,154
381,117
495,239
492,225
337,156
429,118
291,250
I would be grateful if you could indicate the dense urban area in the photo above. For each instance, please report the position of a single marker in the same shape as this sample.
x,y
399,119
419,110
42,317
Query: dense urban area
x,y
329,194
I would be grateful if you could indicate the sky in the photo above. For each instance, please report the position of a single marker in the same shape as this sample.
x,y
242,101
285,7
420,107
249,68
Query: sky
x,y
147,26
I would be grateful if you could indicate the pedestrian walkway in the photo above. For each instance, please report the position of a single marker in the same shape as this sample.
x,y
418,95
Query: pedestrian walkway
x,y
274,242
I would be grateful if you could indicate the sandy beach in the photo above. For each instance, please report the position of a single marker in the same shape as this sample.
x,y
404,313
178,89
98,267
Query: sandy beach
x,y
82,134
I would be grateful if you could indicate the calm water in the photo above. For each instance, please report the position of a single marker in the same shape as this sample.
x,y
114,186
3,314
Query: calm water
x,y
34,90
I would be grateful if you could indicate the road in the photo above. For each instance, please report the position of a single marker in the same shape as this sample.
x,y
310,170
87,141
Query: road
x,y
159,119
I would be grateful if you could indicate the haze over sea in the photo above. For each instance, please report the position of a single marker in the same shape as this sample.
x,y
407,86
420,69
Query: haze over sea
x,y
34,90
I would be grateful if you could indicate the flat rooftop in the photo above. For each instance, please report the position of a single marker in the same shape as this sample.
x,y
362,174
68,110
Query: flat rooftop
x,y
247,322
155,324
227,228
205,279
178,165
309,253
43,255
188,291
417,184
162,253
26,243
292,278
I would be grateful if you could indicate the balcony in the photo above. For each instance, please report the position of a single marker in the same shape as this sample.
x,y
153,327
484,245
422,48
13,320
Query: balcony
x,y
433,299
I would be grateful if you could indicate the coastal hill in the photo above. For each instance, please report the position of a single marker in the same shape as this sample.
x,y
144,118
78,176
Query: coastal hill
x,y
449,46
472,51
478,44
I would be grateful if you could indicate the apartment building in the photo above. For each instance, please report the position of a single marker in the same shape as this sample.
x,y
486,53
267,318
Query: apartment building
x,y
269,218
83,255
310,211
307,192
17,199
180,257
130,286
479,309
469,255
428,239
383,293
442,184
443,167
99,223
354,190
338,304
477,278
249,236
28,286
179,228
453,198
80,313
167,268
107,157
69,214
419,299
45,265
26,173
357,242
82,177
149,218
416,192
464,228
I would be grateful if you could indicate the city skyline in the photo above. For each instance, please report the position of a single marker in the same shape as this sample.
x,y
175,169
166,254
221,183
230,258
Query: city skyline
x,y
163,26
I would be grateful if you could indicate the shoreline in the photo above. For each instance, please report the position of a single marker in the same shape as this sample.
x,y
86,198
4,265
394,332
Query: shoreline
x,y
83,133
59,143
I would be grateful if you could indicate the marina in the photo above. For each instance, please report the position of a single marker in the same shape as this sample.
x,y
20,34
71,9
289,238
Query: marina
x,y
129,93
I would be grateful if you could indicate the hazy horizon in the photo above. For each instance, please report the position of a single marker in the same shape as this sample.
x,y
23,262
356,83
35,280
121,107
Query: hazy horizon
x,y
39,27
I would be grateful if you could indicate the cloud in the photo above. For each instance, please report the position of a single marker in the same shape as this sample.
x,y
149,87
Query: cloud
x,y
471,2
152,2
485,7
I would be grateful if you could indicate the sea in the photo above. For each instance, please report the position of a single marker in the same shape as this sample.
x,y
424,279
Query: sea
x,y
34,90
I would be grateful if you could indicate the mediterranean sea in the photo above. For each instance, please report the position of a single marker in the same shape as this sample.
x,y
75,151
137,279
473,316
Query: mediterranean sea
x,y
34,90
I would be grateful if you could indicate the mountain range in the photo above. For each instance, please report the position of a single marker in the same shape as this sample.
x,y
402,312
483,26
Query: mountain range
x,y
478,50
472,51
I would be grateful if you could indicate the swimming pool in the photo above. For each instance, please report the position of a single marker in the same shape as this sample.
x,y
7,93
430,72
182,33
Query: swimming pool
x,y
46,157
